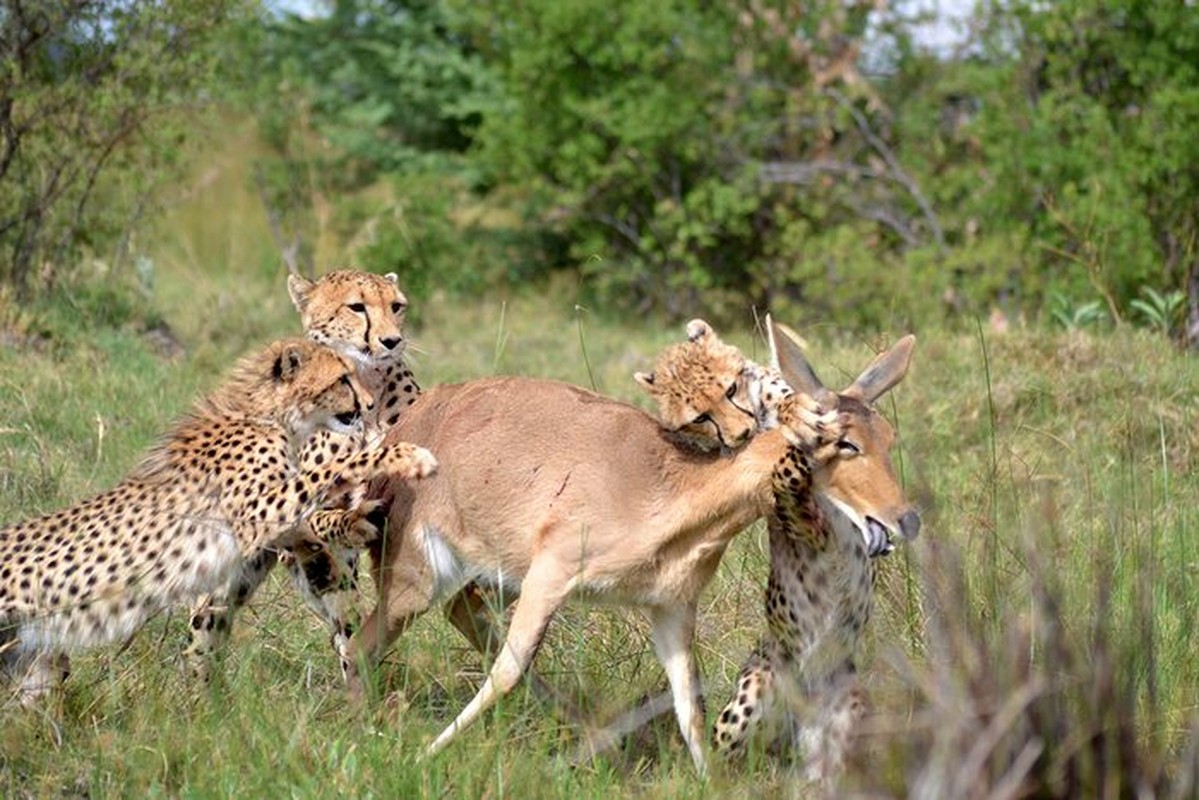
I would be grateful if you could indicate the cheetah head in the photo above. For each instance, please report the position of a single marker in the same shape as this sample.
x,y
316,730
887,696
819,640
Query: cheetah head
x,y
704,390
357,313
316,387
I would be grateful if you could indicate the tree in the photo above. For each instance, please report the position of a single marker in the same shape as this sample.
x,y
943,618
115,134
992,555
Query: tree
x,y
1089,136
390,91
687,150
90,100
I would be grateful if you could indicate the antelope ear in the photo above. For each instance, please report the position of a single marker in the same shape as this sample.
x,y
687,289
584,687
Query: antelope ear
x,y
646,379
886,370
786,355
299,288
287,364
698,329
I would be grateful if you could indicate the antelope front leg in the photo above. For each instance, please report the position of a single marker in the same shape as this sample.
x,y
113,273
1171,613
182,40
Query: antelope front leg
x,y
674,635
473,611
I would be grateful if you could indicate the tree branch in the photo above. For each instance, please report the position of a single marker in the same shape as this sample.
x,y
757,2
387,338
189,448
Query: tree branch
x,y
897,172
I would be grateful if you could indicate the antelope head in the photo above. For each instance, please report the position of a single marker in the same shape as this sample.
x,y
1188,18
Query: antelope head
x,y
854,475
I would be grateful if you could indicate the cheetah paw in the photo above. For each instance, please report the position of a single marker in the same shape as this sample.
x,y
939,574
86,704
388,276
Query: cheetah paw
x,y
411,461
809,425
366,524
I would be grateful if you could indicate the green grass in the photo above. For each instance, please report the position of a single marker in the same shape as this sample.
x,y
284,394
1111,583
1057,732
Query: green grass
x,y
1060,555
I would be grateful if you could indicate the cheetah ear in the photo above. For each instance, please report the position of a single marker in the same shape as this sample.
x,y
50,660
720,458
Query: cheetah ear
x,y
299,288
287,364
646,379
787,357
391,276
697,329
886,370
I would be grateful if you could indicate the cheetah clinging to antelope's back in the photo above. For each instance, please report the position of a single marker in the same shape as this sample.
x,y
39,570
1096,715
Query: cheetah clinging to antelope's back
x,y
224,484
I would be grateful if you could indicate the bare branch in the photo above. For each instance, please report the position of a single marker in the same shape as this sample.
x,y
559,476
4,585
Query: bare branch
x,y
291,252
897,172
806,172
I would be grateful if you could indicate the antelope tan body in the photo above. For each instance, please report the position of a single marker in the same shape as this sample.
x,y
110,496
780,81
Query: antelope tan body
x,y
555,490
600,489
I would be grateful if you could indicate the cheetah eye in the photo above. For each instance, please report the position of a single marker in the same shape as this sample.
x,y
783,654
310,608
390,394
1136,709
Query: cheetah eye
x,y
701,419
732,390
345,380
848,448
397,308
357,308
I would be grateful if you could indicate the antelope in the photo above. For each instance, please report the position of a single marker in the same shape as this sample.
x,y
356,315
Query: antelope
x,y
550,491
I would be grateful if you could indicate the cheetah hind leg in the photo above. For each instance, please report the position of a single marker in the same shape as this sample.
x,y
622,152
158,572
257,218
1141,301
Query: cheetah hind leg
x,y
751,713
825,740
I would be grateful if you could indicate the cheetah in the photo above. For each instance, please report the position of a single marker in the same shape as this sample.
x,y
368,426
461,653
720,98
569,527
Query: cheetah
x,y
709,394
222,485
360,315
800,684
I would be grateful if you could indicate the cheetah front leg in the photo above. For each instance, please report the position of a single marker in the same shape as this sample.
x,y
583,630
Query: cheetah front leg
x,y
261,539
326,572
292,504
324,569
401,459
325,575
211,619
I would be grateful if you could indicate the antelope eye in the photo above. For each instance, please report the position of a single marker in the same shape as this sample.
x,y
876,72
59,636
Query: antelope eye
x,y
732,390
357,308
848,448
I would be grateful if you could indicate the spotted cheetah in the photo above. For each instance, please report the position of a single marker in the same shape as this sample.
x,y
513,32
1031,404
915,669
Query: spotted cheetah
x,y
800,684
223,485
360,315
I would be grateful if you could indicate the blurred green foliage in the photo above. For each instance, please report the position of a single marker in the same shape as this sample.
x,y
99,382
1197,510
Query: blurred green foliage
x,y
686,158
95,100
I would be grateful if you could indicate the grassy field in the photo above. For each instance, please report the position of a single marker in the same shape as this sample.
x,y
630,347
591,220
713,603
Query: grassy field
x,y
1042,629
